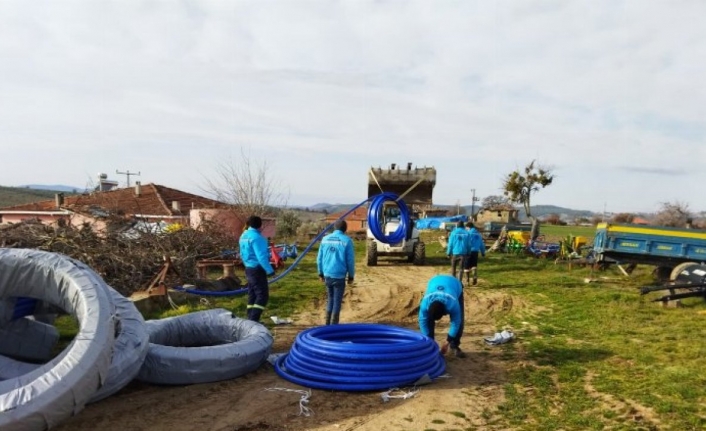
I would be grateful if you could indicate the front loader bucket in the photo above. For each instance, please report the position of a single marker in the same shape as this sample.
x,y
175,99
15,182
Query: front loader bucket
x,y
399,181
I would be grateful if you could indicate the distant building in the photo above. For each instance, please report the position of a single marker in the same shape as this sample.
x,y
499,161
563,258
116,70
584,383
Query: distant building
x,y
147,203
498,213
434,212
640,220
356,221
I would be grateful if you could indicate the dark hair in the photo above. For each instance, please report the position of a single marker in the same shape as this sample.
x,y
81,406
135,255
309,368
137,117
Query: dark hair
x,y
254,222
340,225
437,310
470,225
459,224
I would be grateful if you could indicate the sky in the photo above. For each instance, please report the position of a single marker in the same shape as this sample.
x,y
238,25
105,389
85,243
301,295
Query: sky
x,y
607,94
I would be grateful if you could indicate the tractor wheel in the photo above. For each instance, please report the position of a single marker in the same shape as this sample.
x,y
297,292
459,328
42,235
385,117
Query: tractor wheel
x,y
410,257
419,253
372,253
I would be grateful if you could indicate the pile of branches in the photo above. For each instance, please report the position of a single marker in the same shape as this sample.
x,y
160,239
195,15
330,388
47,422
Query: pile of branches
x,y
128,263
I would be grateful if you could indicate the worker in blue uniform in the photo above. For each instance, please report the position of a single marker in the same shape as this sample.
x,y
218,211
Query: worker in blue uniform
x,y
336,264
458,248
444,295
255,254
476,246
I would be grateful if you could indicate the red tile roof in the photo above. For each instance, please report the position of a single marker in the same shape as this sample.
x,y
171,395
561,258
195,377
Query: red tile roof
x,y
153,200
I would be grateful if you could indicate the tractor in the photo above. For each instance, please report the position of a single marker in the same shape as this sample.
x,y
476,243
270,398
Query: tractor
x,y
414,186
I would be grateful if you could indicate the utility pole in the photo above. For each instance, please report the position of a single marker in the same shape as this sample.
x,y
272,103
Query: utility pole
x,y
474,199
128,173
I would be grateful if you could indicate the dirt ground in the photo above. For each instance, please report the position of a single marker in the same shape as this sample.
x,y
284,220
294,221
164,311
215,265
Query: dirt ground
x,y
388,294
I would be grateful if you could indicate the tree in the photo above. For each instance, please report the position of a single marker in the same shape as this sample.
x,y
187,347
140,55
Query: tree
x,y
288,223
519,187
494,201
623,218
246,185
674,214
596,219
553,219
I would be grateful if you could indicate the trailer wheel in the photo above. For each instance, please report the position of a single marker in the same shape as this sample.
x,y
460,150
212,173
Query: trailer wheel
x,y
678,269
419,253
372,253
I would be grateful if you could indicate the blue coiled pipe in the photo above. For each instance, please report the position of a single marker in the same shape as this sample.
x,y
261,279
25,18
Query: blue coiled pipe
x,y
360,357
375,218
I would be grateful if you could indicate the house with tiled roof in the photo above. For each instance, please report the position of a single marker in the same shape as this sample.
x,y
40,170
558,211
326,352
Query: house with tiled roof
x,y
149,203
356,221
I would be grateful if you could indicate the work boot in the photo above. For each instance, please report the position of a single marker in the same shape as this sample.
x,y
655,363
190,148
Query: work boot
x,y
334,319
457,352
255,314
328,317
475,278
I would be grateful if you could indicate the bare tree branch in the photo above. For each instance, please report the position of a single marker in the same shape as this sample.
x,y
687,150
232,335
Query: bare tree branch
x,y
246,185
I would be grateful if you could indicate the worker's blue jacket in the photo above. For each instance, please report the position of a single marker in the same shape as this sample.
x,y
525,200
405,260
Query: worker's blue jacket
x,y
445,289
336,256
476,241
459,241
254,250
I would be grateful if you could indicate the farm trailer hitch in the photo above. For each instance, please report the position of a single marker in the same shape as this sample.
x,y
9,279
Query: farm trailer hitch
x,y
696,290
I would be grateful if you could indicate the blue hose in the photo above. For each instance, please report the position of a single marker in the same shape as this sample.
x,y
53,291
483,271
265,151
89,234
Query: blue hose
x,y
360,357
375,218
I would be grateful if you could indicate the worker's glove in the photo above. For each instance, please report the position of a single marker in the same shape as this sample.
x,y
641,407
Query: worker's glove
x,y
445,348
350,280
321,277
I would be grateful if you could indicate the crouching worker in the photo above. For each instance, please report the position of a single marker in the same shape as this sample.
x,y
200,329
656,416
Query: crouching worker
x,y
444,295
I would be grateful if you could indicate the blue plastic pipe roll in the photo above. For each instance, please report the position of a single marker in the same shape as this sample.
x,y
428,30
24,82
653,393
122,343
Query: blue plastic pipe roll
x,y
360,357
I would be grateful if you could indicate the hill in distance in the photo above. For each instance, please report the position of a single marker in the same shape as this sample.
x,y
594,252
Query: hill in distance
x,y
11,196
54,188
